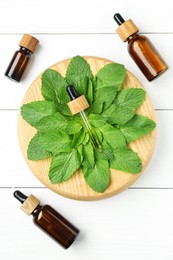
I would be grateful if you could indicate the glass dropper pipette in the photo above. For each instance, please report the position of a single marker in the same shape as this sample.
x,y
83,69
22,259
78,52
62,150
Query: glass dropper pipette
x,y
74,95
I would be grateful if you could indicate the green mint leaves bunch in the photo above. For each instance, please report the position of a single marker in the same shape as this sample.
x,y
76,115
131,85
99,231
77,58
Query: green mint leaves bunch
x,y
64,137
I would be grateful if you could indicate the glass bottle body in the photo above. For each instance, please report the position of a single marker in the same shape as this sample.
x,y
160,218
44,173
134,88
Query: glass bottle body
x,y
145,56
55,225
18,64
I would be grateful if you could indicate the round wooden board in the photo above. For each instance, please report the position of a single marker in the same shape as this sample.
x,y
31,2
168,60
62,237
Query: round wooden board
x,y
76,187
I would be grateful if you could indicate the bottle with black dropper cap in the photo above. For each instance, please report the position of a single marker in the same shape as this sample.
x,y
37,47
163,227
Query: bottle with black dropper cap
x,y
48,219
140,49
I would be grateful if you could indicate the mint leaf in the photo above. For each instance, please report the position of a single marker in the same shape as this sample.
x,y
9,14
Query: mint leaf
x,y
107,103
96,120
64,109
98,177
106,151
78,139
131,98
77,74
107,80
101,100
88,156
126,160
83,87
64,166
86,139
96,132
53,142
72,127
33,112
54,86
113,136
112,74
96,107
36,149
137,127
117,114
79,149
57,121
89,94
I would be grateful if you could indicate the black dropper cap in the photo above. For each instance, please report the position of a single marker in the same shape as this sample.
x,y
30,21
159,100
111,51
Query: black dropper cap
x,y
72,92
20,196
119,19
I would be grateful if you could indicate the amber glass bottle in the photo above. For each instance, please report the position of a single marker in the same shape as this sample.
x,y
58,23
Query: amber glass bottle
x,y
140,49
20,59
48,219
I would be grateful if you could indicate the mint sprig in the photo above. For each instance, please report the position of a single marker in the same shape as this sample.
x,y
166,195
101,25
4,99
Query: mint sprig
x,y
64,165
64,138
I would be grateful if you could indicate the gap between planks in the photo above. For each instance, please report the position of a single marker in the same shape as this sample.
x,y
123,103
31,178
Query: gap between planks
x,y
130,188
79,33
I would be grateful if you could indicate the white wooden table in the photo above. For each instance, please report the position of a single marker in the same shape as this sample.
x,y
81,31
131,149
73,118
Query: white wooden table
x,y
136,224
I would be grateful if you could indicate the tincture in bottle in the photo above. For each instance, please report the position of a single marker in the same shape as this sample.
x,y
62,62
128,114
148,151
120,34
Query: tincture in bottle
x,y
140,49
48,219
20,59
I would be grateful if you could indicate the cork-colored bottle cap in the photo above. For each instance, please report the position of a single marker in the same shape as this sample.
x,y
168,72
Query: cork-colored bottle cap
x,y
30,204
77,105
29,42
126,29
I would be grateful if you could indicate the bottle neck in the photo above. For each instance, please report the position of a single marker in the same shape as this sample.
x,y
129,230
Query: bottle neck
x,y
27,51
132,37
36,210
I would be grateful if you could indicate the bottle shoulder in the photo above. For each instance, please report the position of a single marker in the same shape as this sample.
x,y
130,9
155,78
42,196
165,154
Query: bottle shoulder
x,y
37,210
136,39
24,51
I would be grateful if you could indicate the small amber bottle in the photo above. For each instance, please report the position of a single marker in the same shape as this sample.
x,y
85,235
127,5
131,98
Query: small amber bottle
x,y
48,219
20,59
140,49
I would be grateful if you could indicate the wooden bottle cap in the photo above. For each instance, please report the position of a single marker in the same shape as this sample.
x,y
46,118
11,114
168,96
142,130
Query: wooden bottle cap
x,y
127,29
77,105
29,42
30,204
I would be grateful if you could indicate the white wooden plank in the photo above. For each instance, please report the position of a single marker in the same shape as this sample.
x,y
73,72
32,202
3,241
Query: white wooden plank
x,y
134,225
82,16
55,48
15,172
